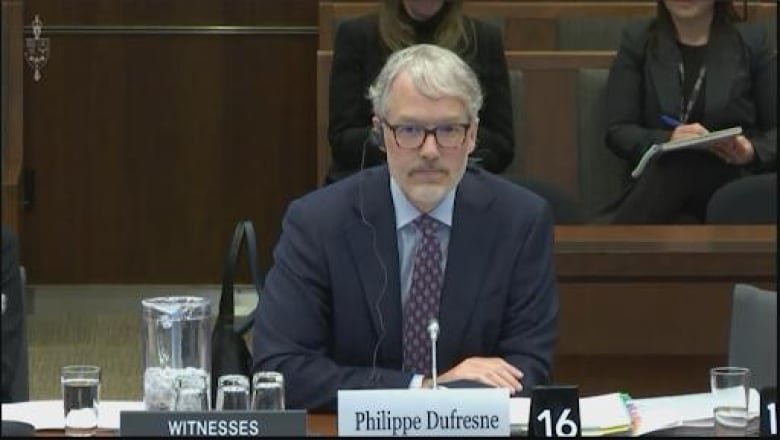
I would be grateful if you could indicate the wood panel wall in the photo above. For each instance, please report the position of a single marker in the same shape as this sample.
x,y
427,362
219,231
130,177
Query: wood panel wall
x,y
647,309
11,103
146,138
529,24
150,135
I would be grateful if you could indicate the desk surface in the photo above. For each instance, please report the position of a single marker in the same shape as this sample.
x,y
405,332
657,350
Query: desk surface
x,y
322,424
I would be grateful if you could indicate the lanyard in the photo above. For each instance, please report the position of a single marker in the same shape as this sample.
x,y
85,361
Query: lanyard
x,y
686,107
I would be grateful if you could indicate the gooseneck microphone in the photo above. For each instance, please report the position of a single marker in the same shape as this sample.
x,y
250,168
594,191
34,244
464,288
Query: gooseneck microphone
x,y
433,332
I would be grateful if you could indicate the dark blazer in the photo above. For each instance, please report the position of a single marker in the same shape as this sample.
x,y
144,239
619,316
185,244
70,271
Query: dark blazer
x,y
12,321
359,56
333,293
740,89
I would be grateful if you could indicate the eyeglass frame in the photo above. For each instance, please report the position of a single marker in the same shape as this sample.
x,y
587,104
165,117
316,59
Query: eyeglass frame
x,y
428,131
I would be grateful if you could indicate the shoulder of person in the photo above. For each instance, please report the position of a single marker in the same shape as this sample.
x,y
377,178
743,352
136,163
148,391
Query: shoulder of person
x,y
332,202
509,195
9,242
636,32
635,37
489,38
482,27
753,34
359,26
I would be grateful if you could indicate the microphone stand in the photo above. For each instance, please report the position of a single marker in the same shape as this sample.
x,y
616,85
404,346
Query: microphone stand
x,y
433,332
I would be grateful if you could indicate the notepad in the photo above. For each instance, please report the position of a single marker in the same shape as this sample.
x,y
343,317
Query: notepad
x,y
693,411
699,142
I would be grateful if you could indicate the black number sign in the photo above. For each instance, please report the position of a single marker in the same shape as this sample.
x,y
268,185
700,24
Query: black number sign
x,y
555,411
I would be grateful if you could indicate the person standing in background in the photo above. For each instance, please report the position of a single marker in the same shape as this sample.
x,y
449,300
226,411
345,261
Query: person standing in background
x,y
363,44
689,71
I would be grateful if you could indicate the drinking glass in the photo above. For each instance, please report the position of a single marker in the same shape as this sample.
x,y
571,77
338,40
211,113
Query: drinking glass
x,y
80,398
730,387
232,392
192,393
268,390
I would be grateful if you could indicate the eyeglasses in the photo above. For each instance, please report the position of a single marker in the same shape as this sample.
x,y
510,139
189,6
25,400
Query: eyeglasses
x,y
412,137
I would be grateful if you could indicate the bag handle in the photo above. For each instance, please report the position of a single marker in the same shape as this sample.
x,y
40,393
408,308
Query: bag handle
x,y
244,232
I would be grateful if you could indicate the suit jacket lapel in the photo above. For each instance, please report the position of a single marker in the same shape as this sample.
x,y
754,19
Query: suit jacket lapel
x,y
377,208
722,59
664,73
471,240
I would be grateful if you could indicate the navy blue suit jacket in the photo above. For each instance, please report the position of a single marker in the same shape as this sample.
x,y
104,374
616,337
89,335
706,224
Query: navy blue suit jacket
x,y
330,315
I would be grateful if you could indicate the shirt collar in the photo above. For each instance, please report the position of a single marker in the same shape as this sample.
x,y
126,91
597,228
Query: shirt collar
x,y
405,212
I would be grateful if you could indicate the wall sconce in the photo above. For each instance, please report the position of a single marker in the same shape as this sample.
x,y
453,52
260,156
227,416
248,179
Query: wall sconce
x,y
36,49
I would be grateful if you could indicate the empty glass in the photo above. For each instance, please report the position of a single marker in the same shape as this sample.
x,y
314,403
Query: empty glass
x,y
192,393
232,392
268,390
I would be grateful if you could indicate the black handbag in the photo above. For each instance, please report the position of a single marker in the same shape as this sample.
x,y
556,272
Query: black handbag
x,y
229,351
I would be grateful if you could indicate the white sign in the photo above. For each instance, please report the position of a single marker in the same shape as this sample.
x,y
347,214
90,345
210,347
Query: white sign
x,y
443,412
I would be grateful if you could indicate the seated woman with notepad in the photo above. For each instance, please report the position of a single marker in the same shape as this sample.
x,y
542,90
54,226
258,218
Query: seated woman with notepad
x,y
690,71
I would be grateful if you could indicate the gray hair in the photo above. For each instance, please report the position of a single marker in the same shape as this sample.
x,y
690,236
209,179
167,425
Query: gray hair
x,y
435,72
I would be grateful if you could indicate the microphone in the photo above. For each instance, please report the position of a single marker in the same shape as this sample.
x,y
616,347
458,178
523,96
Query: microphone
x,y
433,332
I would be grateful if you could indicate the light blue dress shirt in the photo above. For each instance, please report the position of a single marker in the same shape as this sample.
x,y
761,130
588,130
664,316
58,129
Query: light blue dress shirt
x,y
409,238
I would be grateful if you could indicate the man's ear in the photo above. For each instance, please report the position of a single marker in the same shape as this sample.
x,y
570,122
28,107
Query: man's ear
x,y
376,135
472,136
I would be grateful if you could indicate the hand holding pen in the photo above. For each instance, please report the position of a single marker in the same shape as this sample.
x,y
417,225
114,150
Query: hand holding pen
x,y
737,151
683,131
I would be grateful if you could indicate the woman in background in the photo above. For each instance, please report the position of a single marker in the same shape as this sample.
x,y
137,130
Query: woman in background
x,y
363,44
689,71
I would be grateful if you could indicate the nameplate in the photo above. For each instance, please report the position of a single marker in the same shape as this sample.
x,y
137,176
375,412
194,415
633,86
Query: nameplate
x,y
212,423
443,412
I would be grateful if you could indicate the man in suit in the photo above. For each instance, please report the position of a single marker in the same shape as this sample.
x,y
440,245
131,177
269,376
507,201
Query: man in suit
x,y
364,264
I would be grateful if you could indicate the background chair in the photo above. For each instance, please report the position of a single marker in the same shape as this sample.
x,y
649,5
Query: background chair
x,y
603,177
747,200
753,334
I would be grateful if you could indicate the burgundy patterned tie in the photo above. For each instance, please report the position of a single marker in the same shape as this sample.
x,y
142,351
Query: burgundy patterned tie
x,y
423,301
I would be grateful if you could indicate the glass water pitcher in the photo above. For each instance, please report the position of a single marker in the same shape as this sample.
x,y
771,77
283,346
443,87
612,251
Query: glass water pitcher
x,y
176,339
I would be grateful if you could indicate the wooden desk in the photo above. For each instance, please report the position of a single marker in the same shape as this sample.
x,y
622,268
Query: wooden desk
x,y
322,424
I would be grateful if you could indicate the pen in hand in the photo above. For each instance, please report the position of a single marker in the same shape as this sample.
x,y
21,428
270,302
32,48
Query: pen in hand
x,y
670,121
